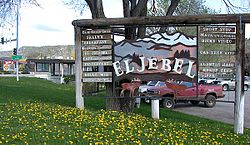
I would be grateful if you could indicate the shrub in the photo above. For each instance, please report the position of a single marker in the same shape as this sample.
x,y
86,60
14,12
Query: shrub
x,y
69,78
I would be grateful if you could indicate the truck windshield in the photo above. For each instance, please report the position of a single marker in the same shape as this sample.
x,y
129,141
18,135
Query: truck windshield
x,y
151,83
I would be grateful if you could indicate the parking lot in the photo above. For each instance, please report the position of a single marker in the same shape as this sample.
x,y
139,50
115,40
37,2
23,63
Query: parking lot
x,y
222,111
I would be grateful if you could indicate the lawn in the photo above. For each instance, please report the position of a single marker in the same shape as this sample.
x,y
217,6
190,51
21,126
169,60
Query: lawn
x,y
36,111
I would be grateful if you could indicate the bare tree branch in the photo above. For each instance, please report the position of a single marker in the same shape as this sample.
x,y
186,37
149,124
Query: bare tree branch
x,y
8,9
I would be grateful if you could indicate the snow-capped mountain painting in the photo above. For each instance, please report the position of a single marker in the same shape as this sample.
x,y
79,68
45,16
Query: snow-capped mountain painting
x,y
159,46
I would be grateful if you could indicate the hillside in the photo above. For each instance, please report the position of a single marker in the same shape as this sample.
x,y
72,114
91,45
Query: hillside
x,y
44,52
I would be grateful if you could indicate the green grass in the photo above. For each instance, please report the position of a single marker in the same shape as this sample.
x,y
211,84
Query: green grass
x,y
40,90
36,111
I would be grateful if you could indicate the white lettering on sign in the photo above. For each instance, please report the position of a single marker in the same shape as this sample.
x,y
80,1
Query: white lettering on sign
x,y
97,74
96,47
220,41
93,37
97,52
90,58
218,29
217,52
97,80
96,31
101,63
216,64
153,65
217,35
97,42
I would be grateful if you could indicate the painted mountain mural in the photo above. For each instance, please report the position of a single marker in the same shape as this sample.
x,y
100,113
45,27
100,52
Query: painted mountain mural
x,y
159,56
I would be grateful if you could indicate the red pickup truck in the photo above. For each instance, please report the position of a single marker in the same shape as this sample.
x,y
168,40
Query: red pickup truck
x,y
173,93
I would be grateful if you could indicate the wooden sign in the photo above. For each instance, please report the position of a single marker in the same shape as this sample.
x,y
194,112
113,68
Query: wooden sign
x,y
97,80
96,53
217,70
97,42
97,74
214,75
220,29
98,63
216,52
219,41
217,64
96,31
97,37
95,58
218,35
104,52
96,47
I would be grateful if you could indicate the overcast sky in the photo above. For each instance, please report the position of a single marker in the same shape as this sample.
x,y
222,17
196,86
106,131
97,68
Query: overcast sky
x,y
51,24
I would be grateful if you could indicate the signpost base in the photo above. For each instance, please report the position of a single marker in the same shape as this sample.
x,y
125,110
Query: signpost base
x,y
155,108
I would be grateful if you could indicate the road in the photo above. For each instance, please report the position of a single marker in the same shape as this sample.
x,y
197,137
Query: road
x,y
222,111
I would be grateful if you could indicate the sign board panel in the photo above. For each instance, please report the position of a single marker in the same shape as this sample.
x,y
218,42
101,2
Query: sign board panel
x,y
96,31
97,37
217,52
96,47
217,60
218,29
97,80
95,58
96,54
97,74
218,35
216,64
100,53
219,41
97,42
98,63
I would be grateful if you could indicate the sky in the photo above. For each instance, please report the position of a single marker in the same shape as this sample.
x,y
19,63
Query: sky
x,y
51,24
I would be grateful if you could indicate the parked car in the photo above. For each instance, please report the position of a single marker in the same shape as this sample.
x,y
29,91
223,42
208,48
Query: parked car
x,y
173,93
230,84
209,81
150,84
144,88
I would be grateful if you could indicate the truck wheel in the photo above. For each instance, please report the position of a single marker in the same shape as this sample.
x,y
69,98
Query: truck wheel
x,y
194,102
245,87
210,101
168,102
225,87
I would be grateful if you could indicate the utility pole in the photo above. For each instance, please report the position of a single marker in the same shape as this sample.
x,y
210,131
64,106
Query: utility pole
x,y
17,46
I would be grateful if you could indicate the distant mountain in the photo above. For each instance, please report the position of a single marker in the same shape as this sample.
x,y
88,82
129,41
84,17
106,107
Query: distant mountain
x,y
43,52
156,45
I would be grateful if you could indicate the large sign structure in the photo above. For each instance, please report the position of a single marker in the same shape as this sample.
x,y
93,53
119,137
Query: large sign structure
x,y
126,68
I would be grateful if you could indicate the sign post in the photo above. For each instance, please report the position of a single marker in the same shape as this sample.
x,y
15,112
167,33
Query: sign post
x,y
17,33
239,86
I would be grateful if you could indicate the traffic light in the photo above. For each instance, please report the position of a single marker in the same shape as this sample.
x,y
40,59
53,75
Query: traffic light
x,y
2,40
14,51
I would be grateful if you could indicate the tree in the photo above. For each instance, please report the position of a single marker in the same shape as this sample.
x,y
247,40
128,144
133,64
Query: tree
x,y
8,9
